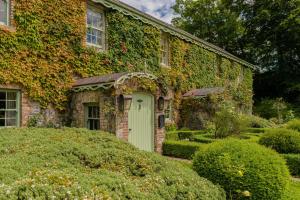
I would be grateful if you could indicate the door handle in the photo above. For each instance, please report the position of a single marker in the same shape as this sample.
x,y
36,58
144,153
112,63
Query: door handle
x,y
130,129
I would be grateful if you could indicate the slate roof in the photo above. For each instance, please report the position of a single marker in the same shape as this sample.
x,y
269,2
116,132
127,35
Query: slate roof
x,y
99,79
204,92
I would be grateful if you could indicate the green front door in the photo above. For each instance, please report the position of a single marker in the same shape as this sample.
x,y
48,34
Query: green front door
x,y
141,122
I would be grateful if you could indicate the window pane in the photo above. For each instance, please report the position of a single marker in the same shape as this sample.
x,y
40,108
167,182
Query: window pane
x,y
89,17
11,122
2,95
99,38
97,20
11,95
3,11
2,114
11,114
2,104
2,122
11,105
90,111
97,125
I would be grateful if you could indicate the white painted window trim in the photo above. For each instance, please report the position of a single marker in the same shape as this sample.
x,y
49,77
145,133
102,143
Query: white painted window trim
x,y
7,13
166,50
102,29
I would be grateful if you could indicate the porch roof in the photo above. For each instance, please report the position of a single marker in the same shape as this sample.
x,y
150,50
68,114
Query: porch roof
x,y
108,81
99,79
203,92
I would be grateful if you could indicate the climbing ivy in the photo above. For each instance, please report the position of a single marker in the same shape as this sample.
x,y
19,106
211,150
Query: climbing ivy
x,y
47,50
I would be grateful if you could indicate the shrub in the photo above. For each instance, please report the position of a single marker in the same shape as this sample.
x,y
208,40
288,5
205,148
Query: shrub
x,y
281,140
171,127
204,138
172,136
274,108
185,135
245,170
227,123
293,162
180,149
294,125
82,164
256,122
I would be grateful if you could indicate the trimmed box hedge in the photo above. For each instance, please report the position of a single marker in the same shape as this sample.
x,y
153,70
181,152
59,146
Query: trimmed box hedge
x,y
245,170
293,162
181,149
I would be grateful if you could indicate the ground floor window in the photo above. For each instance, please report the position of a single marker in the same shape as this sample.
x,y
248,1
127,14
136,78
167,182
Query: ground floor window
x,y
9,108
92,117
168,112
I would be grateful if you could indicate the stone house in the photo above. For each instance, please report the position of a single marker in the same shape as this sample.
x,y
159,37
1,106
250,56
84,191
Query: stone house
x,y
103,65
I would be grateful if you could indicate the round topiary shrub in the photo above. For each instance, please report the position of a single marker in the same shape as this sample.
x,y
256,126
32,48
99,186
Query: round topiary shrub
x,y
282,140
245,170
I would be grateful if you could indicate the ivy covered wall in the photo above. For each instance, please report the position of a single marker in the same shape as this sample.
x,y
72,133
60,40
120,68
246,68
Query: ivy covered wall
x,y
47,49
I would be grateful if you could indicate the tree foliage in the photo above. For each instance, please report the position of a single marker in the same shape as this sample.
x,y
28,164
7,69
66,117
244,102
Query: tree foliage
x,y
265,33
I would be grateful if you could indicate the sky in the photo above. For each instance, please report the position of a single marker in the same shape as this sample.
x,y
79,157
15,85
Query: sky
x,y
160,9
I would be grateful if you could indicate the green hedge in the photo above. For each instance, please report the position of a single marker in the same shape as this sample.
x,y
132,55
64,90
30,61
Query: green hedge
x,y
281,140
82,164
293,162
245,170
204,139
180,149
294,125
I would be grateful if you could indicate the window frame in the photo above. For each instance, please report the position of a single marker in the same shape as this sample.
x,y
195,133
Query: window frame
x,y
87,118
17,109
169,118
8,13
97,9
164,38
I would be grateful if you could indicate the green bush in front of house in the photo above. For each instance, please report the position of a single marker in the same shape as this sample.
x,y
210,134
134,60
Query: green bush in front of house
x,y
181,149
293,124
293,162
245,170
82,164
281,140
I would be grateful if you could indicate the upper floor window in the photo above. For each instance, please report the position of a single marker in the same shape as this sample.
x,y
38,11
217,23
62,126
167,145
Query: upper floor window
x,y
95,35
164,50
4,12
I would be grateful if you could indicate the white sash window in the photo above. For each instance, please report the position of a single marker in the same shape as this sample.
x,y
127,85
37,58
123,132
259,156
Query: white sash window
x,y
4,12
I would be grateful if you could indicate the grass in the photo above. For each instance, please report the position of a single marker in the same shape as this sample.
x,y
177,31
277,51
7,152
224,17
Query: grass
x,y
294,191
81,164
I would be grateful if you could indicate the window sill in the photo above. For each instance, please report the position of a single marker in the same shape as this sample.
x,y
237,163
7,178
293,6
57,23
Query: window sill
x,y
7,28
98,49
165,66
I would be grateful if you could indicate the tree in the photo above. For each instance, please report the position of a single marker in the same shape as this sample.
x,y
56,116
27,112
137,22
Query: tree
x,y
263,32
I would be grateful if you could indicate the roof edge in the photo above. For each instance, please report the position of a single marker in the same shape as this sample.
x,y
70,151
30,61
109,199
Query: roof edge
x,y
146,18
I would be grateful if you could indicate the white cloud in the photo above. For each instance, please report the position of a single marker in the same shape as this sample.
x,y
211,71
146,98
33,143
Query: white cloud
x,y
160,9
